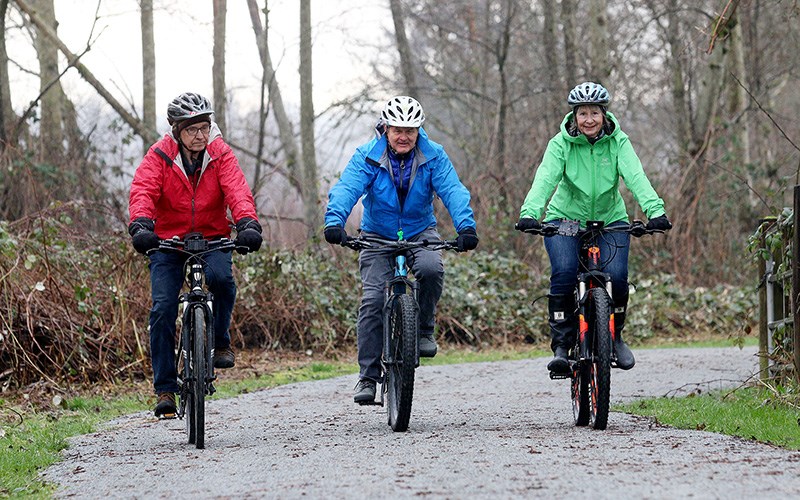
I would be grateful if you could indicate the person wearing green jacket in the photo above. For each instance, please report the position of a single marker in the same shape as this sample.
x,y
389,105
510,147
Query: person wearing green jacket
x,y
583,164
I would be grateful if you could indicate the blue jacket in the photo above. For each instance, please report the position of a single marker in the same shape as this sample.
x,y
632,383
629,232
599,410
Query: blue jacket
x,y
368,174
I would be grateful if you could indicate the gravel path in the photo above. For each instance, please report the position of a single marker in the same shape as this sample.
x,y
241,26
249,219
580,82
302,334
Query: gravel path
x,y
482,430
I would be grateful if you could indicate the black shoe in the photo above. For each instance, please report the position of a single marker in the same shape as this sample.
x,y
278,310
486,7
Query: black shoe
x,y
165,407
224,358
427,346
625,359
364,391
559,364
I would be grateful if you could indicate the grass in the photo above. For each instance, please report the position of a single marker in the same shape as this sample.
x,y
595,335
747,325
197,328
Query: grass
x,y
750,412
32,438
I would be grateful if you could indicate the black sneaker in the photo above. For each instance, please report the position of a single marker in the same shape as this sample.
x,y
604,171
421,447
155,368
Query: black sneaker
x,y
625,359
427,346
364,391
224,358
165,407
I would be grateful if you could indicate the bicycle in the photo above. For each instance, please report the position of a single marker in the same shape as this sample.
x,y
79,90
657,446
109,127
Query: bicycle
x,y
400,356
593,355
194,354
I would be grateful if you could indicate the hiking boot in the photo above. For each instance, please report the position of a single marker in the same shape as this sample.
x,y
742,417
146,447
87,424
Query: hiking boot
x,y
165,407
427,346
559,364
224,358
625,359
364,391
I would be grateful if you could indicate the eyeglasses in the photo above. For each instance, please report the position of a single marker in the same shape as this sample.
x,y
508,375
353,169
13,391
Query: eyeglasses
x,y
193,131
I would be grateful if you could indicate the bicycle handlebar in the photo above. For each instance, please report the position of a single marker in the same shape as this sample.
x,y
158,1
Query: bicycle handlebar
x,y
196,246
571,228
371,242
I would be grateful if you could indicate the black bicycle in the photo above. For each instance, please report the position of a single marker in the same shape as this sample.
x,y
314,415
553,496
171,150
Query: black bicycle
x,y
194,356
400,356
593,355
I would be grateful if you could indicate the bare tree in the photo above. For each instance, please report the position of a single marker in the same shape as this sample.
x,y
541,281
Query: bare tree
x,y
404,49
148,69
568,15
218,68
51,116
281,117
598,42
6,111
310,180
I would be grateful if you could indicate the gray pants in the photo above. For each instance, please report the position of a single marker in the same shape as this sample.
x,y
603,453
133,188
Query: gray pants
x,y
377,267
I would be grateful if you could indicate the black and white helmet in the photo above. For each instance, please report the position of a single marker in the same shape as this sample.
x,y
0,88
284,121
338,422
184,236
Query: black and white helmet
x,y
403,111
589,93
188,105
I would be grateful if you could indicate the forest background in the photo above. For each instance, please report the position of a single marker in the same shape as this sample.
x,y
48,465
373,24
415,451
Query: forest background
x,y
706,90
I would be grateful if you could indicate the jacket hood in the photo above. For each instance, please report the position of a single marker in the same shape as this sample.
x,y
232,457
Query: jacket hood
x,y
611,128
377,148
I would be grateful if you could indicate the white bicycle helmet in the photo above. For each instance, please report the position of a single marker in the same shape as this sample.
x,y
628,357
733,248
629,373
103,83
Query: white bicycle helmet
x,y
188,105
588,93
403,111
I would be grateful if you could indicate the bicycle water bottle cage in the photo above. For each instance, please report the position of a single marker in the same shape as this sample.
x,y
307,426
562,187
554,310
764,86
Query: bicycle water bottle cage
x,y
568,227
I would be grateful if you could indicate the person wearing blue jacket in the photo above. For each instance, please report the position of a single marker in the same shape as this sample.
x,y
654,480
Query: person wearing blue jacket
x,y
397,174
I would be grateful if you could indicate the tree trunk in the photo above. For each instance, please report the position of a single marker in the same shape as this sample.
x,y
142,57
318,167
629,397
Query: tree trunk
x,y
218,68
284,125
555,90
6,110
148,69
598,42
310,181
406,62
51,112
570,49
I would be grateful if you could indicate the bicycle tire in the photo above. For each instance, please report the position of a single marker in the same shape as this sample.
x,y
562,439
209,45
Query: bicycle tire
x,y
601,358
400,374
199,379
580,384
182,368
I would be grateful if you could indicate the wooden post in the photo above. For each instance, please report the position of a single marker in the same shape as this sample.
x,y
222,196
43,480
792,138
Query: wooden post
x,y
763,332
793,302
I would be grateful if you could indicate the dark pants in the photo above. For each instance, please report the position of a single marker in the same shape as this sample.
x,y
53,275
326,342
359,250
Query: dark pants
x,y
166,280
377,267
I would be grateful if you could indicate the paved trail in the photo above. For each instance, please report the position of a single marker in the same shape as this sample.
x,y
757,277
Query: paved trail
x,y
483,430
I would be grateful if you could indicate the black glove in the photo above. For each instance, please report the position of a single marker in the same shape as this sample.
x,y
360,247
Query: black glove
x,y
467,239
141,231
660,223
335,235
248,234
527,223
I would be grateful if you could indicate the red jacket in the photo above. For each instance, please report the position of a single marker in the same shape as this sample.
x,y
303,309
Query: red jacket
x,y
162,191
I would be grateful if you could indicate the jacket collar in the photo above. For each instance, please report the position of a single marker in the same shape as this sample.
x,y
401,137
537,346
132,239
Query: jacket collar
x,y
378,152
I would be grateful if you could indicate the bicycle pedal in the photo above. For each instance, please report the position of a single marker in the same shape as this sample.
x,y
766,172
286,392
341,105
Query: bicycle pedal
x,y
168,416
558,376
370,403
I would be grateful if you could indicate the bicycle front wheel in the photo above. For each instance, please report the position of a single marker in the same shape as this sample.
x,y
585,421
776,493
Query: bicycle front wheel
x,y
400,373
198,398
600,307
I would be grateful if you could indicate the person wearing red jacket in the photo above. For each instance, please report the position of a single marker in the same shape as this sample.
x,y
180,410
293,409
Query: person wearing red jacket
x,y
185,184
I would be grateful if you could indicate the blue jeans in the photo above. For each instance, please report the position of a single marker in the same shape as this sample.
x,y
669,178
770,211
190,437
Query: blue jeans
x,y
564,261
166,280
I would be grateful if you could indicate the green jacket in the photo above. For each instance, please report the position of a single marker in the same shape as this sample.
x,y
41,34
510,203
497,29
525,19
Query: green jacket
x,y
585,178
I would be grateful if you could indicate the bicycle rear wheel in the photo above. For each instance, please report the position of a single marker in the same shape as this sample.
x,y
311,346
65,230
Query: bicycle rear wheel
x,y
198,398
600,367
400,374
